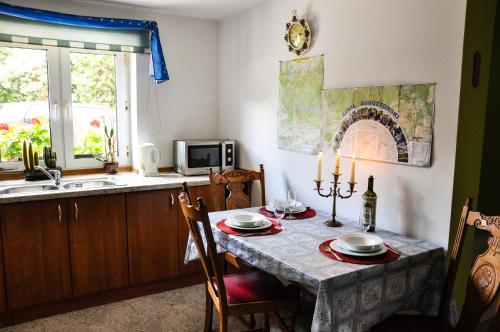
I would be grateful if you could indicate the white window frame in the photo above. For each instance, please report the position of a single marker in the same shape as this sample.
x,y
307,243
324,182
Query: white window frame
x,y
60,106
122,113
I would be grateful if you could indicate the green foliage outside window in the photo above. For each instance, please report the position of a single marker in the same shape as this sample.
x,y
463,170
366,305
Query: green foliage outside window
x,y
12,138
93,144
27,85
93,79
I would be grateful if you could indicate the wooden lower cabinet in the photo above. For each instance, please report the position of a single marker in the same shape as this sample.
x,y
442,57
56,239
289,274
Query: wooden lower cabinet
x,y
36,256
64,254
3,301
98,243
152,227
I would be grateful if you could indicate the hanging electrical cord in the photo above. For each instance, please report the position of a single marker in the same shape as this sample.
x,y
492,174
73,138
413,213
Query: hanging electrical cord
x,y
158,115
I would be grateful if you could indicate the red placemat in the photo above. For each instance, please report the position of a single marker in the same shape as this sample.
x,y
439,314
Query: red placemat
x,y
221,225
389,256
309,213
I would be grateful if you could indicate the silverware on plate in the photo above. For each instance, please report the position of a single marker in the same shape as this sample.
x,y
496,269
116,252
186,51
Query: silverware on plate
x,y
326,248
269,231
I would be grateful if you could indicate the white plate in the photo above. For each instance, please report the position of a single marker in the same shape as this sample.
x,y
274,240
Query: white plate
x,y
247,219
338,248
246,226
298,205
299,209
361,242
265,224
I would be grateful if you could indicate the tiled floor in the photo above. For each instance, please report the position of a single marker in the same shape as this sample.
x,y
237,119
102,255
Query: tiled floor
x,y
172,311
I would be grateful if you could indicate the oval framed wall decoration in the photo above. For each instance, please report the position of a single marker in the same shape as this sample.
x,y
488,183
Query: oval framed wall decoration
x,y
298,34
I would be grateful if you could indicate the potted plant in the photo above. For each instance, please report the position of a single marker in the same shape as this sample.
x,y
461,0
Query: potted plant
x,y
109,160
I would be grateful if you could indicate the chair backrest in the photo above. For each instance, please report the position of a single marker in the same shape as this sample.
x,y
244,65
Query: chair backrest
x,y
484,278
196,215
235,181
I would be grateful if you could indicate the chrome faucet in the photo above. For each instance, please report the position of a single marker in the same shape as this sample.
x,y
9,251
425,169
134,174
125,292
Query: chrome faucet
x,y
56,177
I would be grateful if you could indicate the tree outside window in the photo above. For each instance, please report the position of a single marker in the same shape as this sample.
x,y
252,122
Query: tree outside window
x,y
24,101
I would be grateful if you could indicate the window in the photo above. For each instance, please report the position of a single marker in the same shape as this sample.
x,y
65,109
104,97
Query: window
x,y
93,94
24,101
62,98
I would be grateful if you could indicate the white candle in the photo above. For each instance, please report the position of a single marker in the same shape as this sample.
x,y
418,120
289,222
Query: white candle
x,y
320,166
353,168
337,163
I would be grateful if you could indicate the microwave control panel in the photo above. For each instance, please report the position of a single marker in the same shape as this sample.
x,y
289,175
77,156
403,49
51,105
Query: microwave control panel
x,y
229,154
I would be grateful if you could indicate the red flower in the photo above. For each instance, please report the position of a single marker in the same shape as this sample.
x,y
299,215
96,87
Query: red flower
x,y
35,121
95,123
4,126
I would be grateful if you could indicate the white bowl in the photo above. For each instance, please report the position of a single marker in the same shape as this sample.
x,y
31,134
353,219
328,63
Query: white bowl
x,y
337,247
296,205
361,242
247,219
298,209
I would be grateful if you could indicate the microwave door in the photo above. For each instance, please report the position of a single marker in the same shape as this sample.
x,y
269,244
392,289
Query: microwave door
x,y
201,157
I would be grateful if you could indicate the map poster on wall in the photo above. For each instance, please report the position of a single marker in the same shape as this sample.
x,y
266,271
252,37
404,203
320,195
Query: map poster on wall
x,y
385,123
388,123
299,115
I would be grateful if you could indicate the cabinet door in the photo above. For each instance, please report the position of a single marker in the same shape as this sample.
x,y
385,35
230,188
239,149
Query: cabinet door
x,y
199,191
36,253
98,241
152,230
3,303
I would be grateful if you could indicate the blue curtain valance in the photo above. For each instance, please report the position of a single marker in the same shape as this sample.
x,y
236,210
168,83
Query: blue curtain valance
x,y
159,70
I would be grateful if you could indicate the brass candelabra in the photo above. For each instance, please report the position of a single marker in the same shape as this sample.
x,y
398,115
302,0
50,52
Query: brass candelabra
x,y
335,192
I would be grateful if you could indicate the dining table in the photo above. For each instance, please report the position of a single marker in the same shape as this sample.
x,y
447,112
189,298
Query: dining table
x,y
348,297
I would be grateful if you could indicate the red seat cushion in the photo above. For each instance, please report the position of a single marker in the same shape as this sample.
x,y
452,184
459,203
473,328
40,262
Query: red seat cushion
x,y
253,286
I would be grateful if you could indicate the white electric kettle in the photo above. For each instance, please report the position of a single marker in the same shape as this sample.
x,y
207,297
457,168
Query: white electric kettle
x,y
150,158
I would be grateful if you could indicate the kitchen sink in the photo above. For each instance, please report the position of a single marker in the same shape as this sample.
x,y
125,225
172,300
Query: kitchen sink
x,y
39,188
27,189
166,175
89,184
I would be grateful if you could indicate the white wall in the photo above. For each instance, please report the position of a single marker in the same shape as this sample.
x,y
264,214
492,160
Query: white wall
x,y
188,103
364,43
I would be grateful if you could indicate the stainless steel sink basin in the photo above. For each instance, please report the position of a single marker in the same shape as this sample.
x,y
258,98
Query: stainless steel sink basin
x,y
89,184
27,189
166,175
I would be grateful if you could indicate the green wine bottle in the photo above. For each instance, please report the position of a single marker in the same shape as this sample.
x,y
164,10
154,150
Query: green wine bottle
x,y
369,207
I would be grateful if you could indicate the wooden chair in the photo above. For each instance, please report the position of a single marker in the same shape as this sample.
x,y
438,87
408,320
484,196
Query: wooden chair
x,y
239,184
482,286
235,181
234,294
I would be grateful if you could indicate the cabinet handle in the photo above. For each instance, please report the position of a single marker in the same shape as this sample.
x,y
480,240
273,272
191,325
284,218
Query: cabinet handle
x,y
60,212
76,211
172,200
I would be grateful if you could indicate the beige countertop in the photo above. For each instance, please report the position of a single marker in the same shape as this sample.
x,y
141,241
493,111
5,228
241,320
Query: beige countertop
x,y
125,182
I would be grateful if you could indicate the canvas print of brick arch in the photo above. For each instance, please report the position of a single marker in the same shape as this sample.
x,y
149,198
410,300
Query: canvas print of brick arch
x,y
381,116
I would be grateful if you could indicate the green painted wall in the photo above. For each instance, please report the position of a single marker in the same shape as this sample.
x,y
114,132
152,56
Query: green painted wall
x,y
471,137
489,190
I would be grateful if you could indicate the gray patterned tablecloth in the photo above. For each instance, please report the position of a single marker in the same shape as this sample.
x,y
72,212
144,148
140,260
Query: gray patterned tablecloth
x,y
349,297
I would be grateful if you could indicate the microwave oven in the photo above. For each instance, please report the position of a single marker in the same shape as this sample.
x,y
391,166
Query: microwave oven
x,y
194,157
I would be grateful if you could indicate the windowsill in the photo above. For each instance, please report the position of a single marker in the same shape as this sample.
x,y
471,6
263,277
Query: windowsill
x,y
18,175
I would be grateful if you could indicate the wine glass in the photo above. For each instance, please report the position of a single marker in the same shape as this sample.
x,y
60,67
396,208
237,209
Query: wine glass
x,y
280,206
365,218
292,203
